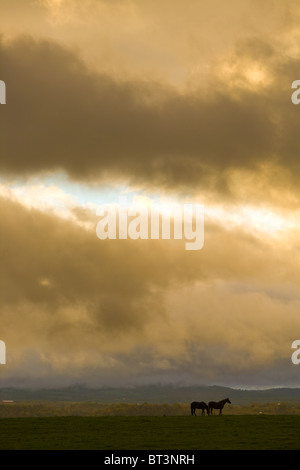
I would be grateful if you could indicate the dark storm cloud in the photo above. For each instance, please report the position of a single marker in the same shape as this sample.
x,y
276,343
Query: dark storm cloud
x,y
53,263
71,304
60,116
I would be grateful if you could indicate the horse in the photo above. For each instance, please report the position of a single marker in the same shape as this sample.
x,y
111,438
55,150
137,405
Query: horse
x,y
217,405
200,406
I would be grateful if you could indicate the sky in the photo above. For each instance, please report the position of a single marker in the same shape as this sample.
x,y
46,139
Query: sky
x,y
164,103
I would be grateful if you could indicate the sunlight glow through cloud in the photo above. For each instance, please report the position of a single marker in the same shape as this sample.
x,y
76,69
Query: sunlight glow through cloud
x,y
60,200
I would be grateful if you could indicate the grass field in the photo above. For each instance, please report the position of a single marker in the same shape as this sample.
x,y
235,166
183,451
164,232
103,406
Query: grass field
x,y
243,432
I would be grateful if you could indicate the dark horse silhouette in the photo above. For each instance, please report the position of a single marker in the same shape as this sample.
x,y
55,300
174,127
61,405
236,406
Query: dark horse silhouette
x,y
217,405
200,406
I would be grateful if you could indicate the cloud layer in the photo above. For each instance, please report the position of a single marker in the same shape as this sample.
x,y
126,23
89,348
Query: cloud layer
x,y
94,127
89,307
164,100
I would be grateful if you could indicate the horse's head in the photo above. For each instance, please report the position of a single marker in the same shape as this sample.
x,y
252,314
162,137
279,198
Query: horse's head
x,y
228,401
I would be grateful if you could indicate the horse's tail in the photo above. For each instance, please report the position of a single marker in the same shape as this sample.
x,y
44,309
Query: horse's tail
x,y
192,409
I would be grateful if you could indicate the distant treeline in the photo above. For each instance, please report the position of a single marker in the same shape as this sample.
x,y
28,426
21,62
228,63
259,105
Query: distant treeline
x,y
36,409
153,394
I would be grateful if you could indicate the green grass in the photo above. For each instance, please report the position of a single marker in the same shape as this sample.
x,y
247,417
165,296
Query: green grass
x,y
264,432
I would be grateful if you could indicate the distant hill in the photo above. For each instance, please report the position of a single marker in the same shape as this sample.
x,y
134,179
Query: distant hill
x,y
153,394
